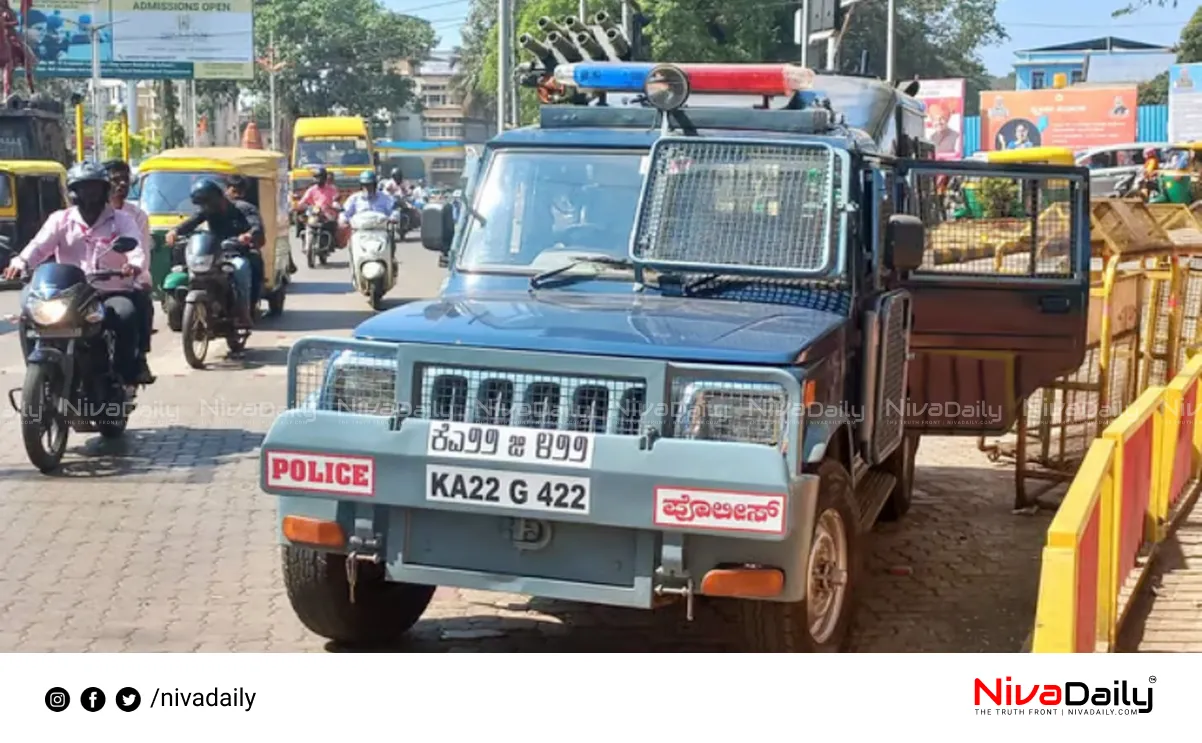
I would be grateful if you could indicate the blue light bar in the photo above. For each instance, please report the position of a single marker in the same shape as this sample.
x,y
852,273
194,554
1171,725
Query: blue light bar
x,y
617,77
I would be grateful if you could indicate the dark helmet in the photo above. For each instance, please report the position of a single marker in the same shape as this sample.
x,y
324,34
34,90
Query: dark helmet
x,y
396,175
368,178
86,172
206,192
320,174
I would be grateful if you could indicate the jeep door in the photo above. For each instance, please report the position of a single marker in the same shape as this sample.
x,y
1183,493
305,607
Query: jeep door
x,y
1001,302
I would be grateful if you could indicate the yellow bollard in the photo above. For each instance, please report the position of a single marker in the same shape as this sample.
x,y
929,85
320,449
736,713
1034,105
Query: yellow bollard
x,y
125,136
78,132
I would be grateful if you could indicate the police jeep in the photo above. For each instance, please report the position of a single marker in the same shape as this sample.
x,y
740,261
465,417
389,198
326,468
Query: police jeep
x,y
685,352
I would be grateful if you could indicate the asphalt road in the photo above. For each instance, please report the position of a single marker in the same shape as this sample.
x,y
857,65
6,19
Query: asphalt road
x,y
163,542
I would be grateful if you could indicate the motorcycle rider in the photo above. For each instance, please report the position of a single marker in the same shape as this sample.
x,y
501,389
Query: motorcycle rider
x,y
82,235
323,195
119,177
236,188
226,222
370,199
394,184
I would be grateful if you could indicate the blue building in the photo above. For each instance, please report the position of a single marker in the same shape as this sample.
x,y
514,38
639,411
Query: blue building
x,y
1103,60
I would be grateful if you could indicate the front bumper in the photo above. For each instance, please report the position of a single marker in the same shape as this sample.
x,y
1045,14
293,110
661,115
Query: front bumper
x,y
634,541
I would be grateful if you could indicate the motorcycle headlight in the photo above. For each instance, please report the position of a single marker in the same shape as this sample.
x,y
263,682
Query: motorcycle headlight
x,y
198,263
748,412
366,386
48,311
372,271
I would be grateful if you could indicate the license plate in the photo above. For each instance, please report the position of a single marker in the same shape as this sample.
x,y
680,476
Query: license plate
x,y
514,490
450,440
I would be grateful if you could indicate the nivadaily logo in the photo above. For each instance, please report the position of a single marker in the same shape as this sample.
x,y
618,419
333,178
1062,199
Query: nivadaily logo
x,y
1068,698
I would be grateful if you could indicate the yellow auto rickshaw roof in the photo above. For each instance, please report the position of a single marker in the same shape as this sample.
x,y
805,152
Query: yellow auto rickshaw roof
x,y
1191,146
1047,155
254,163
32,167
330,126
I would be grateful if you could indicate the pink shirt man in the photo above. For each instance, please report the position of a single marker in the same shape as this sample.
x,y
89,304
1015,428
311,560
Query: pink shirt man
x,y
69,240
143,221
322,197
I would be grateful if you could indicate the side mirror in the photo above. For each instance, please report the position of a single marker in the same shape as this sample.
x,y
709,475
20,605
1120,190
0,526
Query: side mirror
x,y
124,244
438,227
905,243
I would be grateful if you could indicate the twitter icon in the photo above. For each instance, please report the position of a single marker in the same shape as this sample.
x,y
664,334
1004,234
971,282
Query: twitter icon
x,y
128,699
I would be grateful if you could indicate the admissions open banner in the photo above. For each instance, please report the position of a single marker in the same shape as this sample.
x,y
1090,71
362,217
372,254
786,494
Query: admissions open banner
x,y
1185,102
144,39
944,100
1069,117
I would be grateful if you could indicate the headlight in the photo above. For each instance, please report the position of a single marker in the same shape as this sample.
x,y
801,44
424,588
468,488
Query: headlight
x,y
372,271
48,311
755,413
362,386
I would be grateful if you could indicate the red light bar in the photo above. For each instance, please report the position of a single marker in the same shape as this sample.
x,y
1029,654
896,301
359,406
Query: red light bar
x,y
748,79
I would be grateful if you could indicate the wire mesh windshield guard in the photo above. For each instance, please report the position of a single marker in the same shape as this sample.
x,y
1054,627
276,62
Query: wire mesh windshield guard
x,y
739,206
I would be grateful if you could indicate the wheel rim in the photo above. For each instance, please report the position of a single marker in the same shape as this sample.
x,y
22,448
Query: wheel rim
x,y
200,336
826,584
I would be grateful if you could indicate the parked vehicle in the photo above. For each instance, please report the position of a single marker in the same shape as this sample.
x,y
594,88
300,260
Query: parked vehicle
x,y
372,250
1107,165
70,378
675,357
163,189
30,191
210,307
1126,186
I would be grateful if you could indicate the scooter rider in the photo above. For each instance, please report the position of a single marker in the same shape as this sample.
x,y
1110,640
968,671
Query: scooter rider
x,y
82,235
235,189
119,177
370,199
226,222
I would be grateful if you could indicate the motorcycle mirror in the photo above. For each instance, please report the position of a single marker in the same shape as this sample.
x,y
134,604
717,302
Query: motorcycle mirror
x,y
124,244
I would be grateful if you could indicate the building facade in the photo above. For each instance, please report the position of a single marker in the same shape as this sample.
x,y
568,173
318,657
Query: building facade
x,y
1036,69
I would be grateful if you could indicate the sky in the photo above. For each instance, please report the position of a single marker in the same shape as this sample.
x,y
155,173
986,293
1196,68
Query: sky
x,y
1030,23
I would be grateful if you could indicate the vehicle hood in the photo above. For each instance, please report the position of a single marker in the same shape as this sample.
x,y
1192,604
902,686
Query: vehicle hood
x,y
668,328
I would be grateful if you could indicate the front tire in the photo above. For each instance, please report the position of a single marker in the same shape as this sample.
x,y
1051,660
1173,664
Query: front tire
x,y
195,336
175,312
821,621
375,294
275,301
43,427
320,595
309,257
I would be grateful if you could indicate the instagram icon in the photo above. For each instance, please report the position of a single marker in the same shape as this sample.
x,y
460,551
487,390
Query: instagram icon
x,y
57,699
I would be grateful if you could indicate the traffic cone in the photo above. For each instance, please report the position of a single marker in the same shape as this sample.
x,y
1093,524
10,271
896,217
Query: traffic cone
x,y
251,138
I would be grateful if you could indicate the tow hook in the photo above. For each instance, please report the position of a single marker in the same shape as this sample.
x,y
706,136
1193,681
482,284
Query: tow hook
x,y
361,551
686,590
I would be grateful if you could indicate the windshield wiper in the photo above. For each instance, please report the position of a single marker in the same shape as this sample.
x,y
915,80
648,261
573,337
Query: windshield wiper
x,y
598,260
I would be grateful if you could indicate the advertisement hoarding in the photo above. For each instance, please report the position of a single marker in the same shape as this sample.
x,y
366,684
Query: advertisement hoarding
x,y
1185,102
944,100
144,39
1069,117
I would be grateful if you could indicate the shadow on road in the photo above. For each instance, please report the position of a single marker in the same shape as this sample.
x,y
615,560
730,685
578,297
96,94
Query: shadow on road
x,y
319,287
173,453
310,321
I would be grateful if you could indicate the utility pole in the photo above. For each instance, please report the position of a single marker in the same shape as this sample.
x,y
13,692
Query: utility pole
x,y
626,22
504,62
272,66
805,33
582,10
97,109
889,42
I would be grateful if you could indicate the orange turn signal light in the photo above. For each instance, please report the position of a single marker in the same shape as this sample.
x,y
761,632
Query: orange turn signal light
x,y
748,583
313,531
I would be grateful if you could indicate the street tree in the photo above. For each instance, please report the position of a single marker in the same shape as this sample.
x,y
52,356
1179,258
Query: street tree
x,y
1189,50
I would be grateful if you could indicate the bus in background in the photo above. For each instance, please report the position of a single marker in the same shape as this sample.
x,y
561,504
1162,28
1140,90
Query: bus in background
x,y
340,144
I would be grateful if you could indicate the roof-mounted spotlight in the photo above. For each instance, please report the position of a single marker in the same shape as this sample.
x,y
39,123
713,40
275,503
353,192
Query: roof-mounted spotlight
x,y
666,87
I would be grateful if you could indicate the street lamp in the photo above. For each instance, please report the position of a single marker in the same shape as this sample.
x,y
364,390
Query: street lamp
x,y
94,30
272,66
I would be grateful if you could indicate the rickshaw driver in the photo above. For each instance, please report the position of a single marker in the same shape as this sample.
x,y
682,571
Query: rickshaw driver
x,y
80,235
119,176
226,222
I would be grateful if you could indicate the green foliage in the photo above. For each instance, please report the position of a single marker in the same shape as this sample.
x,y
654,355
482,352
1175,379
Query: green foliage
x,y
935,38
138,147
338,55
999,197
1155,92
1189,49
1137,5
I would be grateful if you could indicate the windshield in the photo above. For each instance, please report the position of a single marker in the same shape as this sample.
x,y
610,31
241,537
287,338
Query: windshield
x,y
332,151
168,191
540,210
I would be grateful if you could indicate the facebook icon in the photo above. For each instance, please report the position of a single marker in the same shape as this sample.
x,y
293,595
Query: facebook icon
x,y
92,699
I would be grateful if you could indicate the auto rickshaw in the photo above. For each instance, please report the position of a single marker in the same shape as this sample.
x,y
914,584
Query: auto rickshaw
x,y
974,205
1181,174
30,191
163,189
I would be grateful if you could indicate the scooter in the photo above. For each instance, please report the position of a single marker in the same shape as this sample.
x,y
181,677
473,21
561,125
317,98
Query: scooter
x,y
372,249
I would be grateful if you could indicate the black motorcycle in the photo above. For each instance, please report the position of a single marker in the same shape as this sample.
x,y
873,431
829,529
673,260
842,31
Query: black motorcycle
x,y
318,238
211,305
70,378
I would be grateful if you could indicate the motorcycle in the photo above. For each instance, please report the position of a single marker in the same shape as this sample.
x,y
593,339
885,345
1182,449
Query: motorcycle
x,y
318,242
1125,186
211,305
373,268
70,378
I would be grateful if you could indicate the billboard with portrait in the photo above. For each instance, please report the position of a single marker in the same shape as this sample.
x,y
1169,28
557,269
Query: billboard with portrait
x,y
1185,102
144,39
1067,117
944,101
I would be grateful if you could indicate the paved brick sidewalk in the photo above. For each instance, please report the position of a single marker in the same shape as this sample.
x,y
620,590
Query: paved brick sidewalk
x,y
1167,616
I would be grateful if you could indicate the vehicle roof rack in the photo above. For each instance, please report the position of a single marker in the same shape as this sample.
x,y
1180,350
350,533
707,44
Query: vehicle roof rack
x,y
783,121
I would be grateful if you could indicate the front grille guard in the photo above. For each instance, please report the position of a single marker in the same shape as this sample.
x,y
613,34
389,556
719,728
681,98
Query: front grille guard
x,y
317,366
